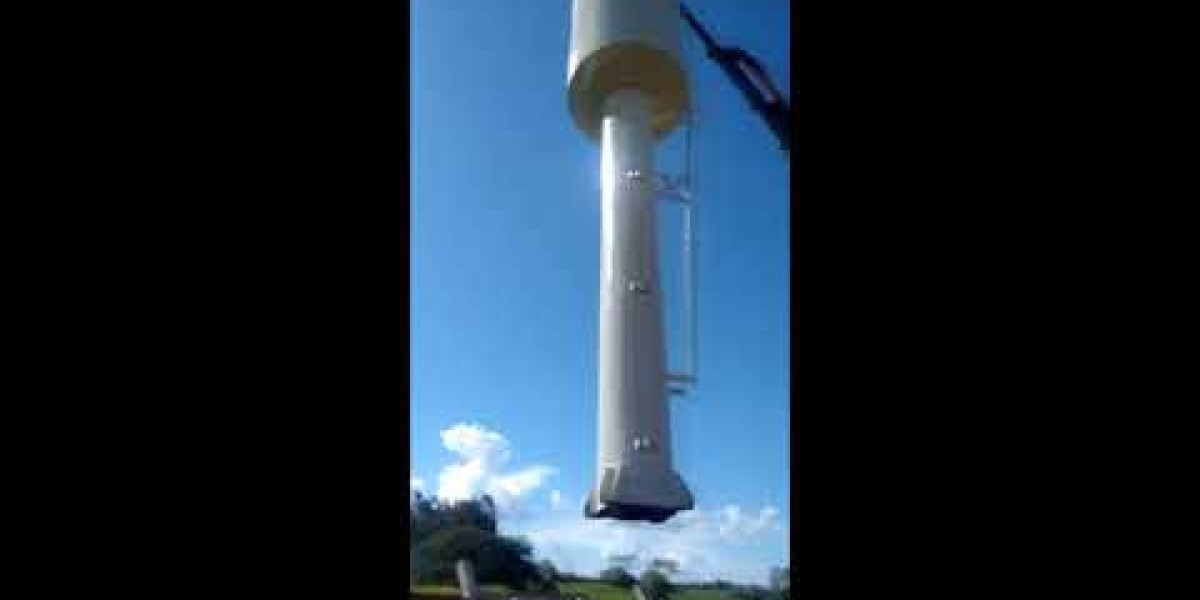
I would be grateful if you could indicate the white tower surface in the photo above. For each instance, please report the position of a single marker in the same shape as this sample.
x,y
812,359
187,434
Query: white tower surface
x,y
626,90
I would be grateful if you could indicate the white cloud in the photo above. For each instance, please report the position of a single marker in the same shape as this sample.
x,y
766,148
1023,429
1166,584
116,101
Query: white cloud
x,y
727,543
734,542
461,480
482,456
734,525
475,442
522,481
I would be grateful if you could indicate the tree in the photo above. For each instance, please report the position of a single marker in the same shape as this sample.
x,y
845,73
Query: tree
x,y
443,533
547,571
665,566
655,585
618,577
781,582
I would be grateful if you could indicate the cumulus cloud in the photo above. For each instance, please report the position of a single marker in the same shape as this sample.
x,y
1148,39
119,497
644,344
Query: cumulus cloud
x,y
517,483
483,456
728,542
733,524
475,442
733,542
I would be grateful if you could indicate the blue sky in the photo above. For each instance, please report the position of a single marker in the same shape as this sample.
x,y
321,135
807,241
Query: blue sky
x,y
505,271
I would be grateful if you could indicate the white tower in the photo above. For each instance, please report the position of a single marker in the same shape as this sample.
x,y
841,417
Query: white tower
x,y
626,90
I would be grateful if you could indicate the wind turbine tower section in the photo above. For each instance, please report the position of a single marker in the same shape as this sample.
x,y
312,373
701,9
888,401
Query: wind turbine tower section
x,y
626,90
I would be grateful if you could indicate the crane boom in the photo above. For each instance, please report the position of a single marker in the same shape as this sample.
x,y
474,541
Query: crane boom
x,y
748,76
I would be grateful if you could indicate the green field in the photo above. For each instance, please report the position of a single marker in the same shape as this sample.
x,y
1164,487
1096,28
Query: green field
x,y
450,590
700,595
594,590
588,589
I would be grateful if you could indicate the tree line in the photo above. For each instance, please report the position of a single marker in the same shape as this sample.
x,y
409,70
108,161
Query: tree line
x,y
657,586
441,533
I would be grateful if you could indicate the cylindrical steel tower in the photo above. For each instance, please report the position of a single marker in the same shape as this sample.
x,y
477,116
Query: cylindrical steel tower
x,y
626,90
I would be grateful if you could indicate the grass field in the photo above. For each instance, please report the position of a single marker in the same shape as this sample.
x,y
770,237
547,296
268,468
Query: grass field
x,y
594,590
700,595
449,590
434,590
588,589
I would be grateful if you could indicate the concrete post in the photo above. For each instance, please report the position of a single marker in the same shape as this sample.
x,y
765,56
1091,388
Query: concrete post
x,y
466,580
